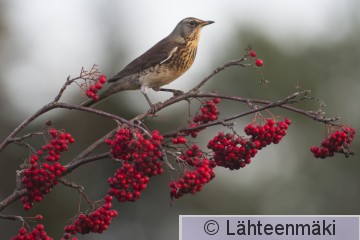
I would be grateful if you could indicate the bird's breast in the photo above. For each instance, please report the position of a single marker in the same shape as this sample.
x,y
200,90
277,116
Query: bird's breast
x,y
162,74
184,57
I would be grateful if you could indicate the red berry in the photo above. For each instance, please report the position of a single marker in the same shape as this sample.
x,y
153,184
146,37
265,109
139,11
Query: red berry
x,y
22,231
102,79
259,62
98,85
95,97
90,94
252,54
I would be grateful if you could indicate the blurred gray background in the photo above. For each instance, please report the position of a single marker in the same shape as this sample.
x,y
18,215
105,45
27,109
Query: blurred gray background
x,y
315,43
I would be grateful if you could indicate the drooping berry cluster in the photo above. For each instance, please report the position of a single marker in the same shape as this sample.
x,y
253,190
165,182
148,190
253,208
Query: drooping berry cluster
x,y
93,88
232,152
193,181
97,221
37,233
127,183
270,132
39,178
193,156
58,144
235,152
208,113
140,150
338,142
142,159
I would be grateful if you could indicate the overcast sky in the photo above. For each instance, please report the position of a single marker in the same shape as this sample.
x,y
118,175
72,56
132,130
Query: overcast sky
x,y
53,39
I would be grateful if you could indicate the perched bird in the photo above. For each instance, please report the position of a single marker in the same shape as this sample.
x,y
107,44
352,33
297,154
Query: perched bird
x,y
163,63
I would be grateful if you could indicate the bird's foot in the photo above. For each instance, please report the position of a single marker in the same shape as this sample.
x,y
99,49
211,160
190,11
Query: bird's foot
x,y
154,108
178,93
174,91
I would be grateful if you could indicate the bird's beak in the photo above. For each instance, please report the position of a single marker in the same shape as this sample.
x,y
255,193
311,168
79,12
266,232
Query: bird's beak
x,y
207,23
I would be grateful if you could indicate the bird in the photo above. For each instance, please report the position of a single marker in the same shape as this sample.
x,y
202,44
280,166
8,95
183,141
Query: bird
x,y
161,64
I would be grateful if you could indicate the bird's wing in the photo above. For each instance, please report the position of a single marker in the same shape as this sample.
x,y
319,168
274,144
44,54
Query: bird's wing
x,y
158,54
171,53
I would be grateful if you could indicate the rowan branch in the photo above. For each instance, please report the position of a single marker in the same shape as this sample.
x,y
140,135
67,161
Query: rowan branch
x,y
12,217
17,194
256,105
238,62
52,105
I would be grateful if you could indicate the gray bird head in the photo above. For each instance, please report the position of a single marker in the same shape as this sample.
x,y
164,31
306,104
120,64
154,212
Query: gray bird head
x,y
189,27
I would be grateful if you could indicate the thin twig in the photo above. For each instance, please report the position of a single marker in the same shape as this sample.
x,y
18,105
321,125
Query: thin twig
x,y
63,88
219,69
29,135
79,188
77,163
12,217
166,160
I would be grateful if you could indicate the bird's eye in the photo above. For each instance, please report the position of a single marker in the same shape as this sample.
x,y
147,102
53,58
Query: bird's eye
x,y
193,23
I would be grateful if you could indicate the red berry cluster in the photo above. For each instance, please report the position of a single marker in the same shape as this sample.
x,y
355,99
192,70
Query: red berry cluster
x,y
142,151
37,233
92,90
234,152
97,221
58,144
270,132
193,156
39,178
338,142
209,113
127,183
259,62
193,181
179,140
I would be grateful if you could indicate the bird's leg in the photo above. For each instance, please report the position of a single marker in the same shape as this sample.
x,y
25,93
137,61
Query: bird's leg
x,y
143,90
174,91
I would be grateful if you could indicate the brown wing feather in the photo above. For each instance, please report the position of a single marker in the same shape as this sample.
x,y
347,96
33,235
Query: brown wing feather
x,y
151,57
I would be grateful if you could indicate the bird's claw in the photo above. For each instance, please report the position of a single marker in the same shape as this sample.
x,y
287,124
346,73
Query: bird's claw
x,y
178,93
154,108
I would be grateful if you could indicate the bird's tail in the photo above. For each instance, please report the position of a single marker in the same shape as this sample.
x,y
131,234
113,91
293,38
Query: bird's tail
x,y
107,93
118,86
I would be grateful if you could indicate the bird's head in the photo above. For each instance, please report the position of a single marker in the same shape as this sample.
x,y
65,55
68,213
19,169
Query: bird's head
x,y
189,28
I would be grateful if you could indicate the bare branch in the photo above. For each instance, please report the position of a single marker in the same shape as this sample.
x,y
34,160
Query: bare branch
x,y
54,105
12,198
238,62
12,217
79,188
63,88
22,138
